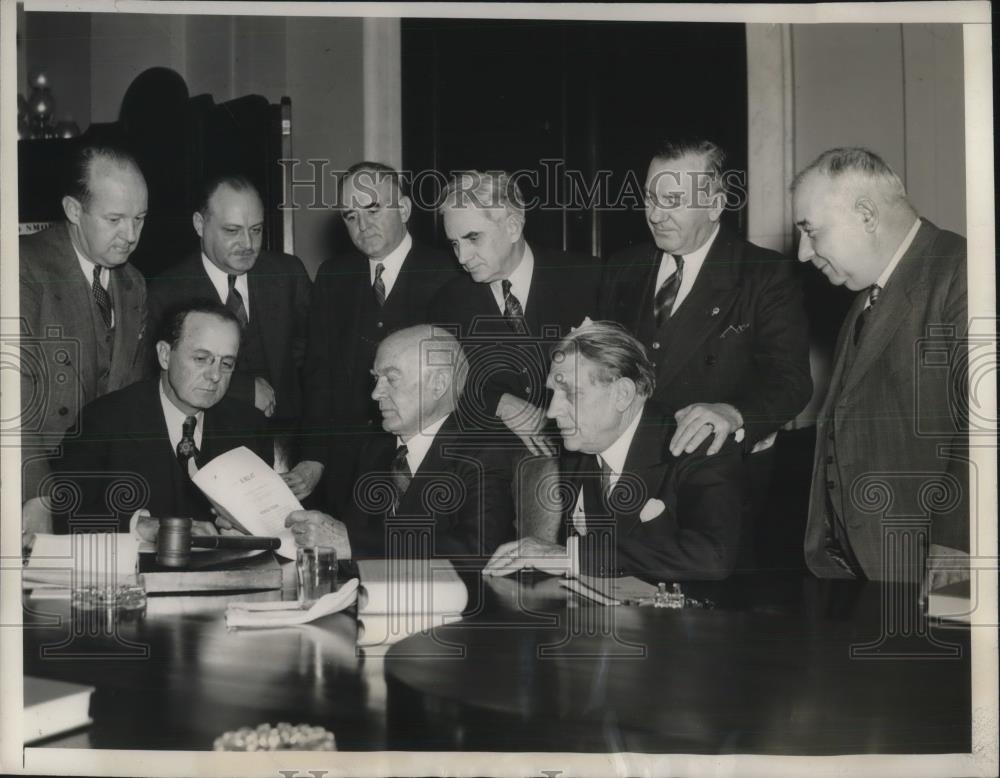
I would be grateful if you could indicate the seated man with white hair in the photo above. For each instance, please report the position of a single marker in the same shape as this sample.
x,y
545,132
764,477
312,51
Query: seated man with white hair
x,y
427,486
635,508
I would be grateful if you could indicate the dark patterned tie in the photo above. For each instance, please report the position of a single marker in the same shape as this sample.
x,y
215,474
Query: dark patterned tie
x,y
379,286
186,449
399,470
102,298
859,324
512,309
605,478
234,302
663,303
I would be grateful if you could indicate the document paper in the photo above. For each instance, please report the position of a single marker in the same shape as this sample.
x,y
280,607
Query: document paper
x,y
247,492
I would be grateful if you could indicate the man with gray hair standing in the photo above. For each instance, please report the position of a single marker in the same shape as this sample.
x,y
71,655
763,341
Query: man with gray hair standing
x,y
892,422
514,299
636,509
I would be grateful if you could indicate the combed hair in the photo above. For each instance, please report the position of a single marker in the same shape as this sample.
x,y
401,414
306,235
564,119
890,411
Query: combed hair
x,y
235,181
379,172
856,161
489,190
172,324
714,155
441,340
77,179
615,350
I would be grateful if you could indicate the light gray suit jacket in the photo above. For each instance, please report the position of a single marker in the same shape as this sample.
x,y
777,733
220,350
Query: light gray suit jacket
x,y
59,363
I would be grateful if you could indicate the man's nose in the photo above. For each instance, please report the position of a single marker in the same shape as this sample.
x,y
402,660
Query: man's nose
x,y
131,230
553,410
379,389
463,252
215,371
805,248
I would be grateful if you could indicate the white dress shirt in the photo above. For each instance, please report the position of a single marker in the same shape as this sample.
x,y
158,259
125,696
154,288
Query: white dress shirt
x,y
692,266
105,277
520,281
392,264
174,418
614,456
900,251
220,280
418,446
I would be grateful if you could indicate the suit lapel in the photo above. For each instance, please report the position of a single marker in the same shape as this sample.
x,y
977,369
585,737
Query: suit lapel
x,y
709,298
128,324
647,461
265,307
72,292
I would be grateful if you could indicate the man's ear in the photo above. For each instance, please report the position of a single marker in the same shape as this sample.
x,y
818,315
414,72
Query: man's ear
x,y
866,209
625,393
163,354
718,204
439,384
514,226
405,207
72,208
199,223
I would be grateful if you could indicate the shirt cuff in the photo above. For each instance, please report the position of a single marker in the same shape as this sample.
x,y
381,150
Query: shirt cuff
x,y
573,552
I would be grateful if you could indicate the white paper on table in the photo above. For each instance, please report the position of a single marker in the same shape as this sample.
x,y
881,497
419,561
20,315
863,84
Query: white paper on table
x,y
247,492
82,559
286,614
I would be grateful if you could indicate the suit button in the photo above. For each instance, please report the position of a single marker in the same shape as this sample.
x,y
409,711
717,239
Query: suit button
x,y
656,345
379,325
527,390
710,359
63,411
830,485
524,370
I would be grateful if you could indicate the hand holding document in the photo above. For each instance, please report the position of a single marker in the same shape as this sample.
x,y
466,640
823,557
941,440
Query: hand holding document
x,y
250,495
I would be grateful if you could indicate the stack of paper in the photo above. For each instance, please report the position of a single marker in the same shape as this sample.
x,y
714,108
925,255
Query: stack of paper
x,y
82,559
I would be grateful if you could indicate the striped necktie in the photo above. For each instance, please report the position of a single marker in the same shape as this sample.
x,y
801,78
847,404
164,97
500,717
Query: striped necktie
x,y
102,298
859,324
379,286
234,302
663,303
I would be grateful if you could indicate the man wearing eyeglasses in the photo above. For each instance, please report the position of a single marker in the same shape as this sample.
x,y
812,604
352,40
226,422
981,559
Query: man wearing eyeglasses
x,y
358,299
140,446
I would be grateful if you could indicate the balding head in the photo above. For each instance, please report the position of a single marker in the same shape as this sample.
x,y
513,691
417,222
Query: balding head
x,y
419,375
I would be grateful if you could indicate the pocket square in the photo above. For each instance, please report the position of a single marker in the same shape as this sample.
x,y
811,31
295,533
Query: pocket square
x,y
651,510
734,329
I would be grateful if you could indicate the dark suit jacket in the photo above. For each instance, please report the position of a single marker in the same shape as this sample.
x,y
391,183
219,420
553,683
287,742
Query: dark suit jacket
x,y
123,460
739,337
892,435
60,330
340,354
502,360
698,533
279,304
462,490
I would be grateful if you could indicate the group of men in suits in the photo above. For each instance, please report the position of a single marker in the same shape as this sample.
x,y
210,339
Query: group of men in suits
x,y
426,394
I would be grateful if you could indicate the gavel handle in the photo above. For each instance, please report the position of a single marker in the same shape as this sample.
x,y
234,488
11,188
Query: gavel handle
x,y
238,542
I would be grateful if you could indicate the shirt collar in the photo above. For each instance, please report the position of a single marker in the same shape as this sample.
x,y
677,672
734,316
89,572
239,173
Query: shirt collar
x,y
615,454
900,251
393,261
418,446
174,417
88,269
520,280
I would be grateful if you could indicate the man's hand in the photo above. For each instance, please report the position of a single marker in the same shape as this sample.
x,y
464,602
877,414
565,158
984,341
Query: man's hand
x,y
314,528
263,396
699,420
529,552
526,421
302,478
35,517
945,565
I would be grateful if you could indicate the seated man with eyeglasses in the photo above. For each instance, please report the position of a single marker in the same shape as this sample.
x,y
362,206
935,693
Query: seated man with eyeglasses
x,y
138,447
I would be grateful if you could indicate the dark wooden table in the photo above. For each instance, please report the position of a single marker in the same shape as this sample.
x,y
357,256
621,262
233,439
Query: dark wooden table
x,y
779,666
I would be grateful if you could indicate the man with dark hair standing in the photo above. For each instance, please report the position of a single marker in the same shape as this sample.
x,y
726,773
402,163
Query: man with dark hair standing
x,y
82,304
357,300
895,414
267,291
638,509
723,319
153,436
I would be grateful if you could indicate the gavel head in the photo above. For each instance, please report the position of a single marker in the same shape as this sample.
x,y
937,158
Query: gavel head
x,y
173,542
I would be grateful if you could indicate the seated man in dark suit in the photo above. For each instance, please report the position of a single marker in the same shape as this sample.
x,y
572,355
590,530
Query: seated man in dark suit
x,y
514,303
638,509
426,482
266,290
357,300
139,446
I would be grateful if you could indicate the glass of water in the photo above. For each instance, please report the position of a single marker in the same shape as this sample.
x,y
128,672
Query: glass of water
x,y
316,571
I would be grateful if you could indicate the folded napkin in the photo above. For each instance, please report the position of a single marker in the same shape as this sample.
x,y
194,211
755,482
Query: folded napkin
x,y
286,614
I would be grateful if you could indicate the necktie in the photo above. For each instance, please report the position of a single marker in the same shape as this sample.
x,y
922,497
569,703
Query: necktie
x,y
512,309
859,324
399,470
663,303
234,302
605,478
379,286
102,298
186,449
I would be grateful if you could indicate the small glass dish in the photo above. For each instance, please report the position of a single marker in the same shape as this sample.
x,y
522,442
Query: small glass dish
x,y
125,598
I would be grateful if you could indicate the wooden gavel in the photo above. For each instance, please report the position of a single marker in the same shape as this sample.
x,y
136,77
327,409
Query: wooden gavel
x,y
175,540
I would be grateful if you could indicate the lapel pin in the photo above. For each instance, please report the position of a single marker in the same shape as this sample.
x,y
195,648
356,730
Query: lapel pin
x,y
715,311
